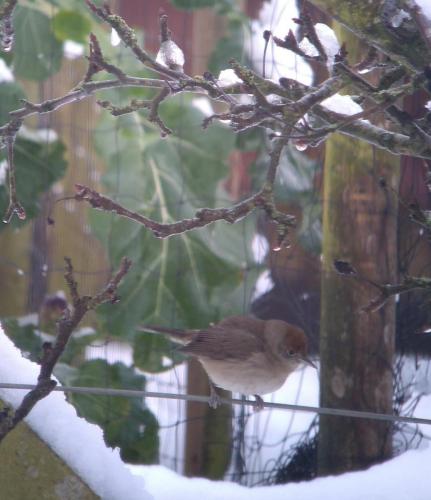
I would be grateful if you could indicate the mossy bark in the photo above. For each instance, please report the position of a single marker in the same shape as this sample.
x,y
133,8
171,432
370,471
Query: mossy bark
x,y
372,22
356,348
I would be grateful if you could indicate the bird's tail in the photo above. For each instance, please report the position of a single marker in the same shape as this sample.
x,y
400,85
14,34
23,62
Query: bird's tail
x,y
176,334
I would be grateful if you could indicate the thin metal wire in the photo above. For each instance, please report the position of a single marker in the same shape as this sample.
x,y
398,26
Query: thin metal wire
x,y
130,393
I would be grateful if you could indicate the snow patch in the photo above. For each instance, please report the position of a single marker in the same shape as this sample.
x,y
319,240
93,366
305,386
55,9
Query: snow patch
x,y
41,135
343,104
115,39
77,442
228,77
72,50
5,73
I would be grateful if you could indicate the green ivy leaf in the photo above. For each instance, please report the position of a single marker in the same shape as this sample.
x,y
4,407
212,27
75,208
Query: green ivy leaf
x,y
149,350
228,47
38,165
166,179
37,52
71,25
172,275
24,337
98,373
190,160
27,338
124,422
10,95
136,435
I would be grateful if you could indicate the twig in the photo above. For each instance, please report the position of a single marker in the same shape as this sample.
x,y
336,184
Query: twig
x,y
14,206
266,36
291,44
387,95
263,199
367,61
52,352
408,283
310,32
97,62
134,105
154,112
315,136
169,54
326,89
394,142
127,35
294,99
249,78
202,218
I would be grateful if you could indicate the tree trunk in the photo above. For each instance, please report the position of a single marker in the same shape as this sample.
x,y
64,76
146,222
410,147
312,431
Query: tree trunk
x,y
356,348
208,445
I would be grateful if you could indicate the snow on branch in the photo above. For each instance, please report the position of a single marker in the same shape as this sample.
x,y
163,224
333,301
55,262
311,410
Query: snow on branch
x,y
287,109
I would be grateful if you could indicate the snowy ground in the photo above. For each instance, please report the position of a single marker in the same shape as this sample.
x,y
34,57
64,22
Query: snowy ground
x,y
81,446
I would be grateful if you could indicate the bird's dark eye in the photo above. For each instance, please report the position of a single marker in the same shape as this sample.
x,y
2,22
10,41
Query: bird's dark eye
x,y
290,352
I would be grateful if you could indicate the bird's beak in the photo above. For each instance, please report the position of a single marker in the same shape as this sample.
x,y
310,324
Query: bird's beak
x,y
308,361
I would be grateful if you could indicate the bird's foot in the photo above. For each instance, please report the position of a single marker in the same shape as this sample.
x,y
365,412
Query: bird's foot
x,y
260,404
214,400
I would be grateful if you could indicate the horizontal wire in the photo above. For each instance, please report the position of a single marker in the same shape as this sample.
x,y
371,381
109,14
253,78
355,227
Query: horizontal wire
x,y
132,393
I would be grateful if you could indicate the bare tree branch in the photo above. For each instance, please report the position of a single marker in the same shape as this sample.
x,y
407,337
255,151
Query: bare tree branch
x,y
407,284
128,36
52,352
282,116
310,32
14,205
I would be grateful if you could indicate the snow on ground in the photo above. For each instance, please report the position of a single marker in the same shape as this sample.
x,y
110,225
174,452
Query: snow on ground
x,y
403,478
81,445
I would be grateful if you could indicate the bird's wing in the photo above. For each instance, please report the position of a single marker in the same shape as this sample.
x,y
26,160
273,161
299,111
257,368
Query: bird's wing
x,y
252,325
221,343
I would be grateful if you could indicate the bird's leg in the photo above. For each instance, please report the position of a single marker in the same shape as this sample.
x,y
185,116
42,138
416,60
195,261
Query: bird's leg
x,y
260,403
214,400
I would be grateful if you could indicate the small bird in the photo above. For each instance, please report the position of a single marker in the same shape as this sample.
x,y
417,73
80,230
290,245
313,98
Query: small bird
x,y
243,354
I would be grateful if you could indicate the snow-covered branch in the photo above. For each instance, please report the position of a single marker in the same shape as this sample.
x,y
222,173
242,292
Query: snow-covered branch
x,y
289,110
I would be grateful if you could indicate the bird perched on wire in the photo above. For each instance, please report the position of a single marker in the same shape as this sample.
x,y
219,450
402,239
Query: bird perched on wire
x,y
243,354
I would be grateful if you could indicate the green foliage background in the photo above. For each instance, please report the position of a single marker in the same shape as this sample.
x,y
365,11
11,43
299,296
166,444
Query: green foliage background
x,y
188,280
192,279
